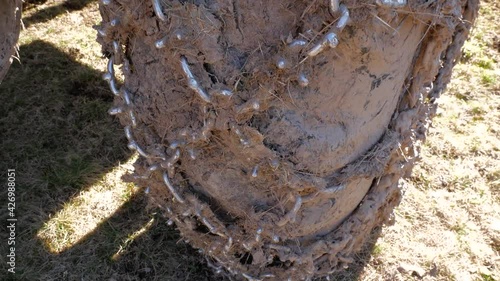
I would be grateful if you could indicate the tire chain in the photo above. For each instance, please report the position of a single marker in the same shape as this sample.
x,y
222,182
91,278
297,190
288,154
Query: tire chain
x,y
331,253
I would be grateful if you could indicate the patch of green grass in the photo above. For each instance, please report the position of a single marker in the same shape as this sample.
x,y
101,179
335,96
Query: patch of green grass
x,y
477,111
70,171
475,145
461,182
469,51
485,63
127,195
377,250
486,277
488,79
459,228
421,179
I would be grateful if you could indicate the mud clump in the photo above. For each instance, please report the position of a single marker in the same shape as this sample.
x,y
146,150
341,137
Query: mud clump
x,y
274,133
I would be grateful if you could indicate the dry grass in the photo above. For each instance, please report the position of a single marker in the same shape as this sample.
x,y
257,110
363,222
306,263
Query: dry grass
x,y
79,221
448,225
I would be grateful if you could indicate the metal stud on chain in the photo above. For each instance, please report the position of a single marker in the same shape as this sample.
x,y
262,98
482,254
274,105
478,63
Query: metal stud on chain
x,y
303,81
392,3
133,145
257,235
116,47
255,171
126,97
115,110
159,44
172,189
344,17
158,10
192,153
251,278
334,6
276,238
113,87
297,43
243,139
192,82
102,32
229,244
114,22
260,278
329,39
222,93
249,106
281,63
133,120
292,214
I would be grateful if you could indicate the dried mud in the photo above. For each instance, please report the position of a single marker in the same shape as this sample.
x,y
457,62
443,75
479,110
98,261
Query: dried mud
x,y
274,153
10,26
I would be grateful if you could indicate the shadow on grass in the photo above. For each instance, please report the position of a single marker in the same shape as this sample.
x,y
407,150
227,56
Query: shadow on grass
x,y
57,135
49,13
130,245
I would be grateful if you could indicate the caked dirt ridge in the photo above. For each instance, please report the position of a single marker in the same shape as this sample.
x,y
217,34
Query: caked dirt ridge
x,y
274,133
10,26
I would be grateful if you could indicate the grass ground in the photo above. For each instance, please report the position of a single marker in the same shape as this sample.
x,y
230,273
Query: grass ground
x,y
78,221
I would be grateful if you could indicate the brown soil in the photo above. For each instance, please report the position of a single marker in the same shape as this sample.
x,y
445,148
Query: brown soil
x,y
10,25
258,149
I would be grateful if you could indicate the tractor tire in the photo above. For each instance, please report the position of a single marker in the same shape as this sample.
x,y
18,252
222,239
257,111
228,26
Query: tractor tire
x,y
10,26
274,134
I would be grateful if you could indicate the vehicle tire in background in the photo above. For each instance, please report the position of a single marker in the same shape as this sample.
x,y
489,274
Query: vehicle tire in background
x,y
10,26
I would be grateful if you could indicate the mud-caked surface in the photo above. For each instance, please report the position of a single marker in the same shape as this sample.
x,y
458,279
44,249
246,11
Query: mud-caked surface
x,y
274,133
10,26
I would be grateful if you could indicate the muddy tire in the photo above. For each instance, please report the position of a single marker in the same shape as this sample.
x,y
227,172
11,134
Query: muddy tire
x,y
274,134
10,26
